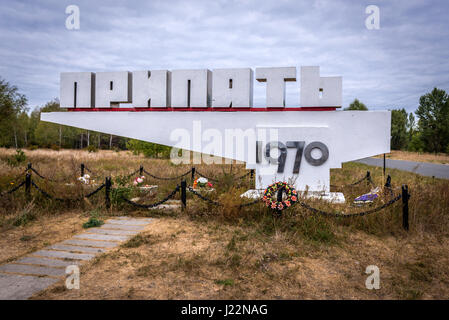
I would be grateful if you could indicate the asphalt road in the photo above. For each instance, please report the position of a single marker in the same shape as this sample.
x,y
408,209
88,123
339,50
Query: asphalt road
x,y
422,168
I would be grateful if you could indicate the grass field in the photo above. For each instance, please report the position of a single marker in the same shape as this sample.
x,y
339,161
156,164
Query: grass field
x,y
208,252
442,158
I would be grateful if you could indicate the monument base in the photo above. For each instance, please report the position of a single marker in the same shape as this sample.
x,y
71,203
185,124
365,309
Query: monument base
x,y
332,197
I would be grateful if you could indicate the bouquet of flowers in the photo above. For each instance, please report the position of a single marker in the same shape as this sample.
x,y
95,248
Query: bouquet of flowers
x,y
85,179
138,181
201,183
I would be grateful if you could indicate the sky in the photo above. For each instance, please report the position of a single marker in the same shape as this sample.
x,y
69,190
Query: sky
x,y
385,68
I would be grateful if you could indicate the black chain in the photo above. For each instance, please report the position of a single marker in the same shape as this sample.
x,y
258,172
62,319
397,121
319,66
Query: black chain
x,y
42,177
216,203
199,195
95,191
46,194
208,178
13,189
87,169
358,214
132,173
354,183
169,178
152,205
216,180
249,203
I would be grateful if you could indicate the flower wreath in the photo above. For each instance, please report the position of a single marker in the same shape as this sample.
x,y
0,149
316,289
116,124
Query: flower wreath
x,y
270,196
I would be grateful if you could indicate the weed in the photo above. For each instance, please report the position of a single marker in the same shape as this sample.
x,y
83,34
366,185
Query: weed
x,y
136,241
26,238
225,282
93,222
26,216
17,159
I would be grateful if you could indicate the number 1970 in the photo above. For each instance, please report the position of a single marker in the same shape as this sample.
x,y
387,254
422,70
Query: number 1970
x,y
283,149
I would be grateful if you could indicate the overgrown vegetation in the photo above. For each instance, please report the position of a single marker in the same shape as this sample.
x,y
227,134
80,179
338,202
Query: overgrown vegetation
x,y
94,221
298,254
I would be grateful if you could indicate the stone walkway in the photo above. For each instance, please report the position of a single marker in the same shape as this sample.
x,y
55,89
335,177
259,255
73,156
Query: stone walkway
x,y
35,272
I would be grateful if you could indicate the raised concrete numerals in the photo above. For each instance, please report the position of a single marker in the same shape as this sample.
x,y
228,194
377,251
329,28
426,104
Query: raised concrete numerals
x,y
299,146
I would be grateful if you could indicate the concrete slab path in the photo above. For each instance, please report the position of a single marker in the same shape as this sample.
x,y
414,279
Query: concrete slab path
x,y
37,271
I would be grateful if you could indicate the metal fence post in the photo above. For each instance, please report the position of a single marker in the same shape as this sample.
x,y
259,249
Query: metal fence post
x,y
388,183
184,194
82,169
29,166
405,197
368,177
141,171
28,185
193,173
107,196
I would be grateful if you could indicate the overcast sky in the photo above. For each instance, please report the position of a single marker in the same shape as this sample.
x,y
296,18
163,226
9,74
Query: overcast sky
x,y
386,68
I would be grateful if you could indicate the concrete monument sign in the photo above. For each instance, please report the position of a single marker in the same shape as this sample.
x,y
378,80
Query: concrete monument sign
x,y
211,112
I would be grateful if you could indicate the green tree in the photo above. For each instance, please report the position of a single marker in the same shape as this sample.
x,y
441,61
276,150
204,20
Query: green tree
x,y
12,105
416,144
148,149
48,134
399,136
357,105
433,123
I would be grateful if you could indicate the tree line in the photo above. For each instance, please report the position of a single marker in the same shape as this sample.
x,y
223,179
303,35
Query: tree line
x,y
20,128
426,130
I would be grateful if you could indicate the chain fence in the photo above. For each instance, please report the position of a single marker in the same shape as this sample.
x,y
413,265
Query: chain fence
x,y
28,182
167,178
152,205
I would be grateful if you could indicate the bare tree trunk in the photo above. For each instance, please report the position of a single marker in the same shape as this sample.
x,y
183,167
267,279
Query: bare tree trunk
x,y
81,141
99,140
88,137
15,137
110,142
26,138
60,136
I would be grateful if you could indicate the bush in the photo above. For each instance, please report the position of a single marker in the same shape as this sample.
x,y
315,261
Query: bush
x,y
91,148
17,158
93,222
33,147
117,195
26,216
150,150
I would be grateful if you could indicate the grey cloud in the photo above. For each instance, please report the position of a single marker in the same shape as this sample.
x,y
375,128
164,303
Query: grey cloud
x,y
385,68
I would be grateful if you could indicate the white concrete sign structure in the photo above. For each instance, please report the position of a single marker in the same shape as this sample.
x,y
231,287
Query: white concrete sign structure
x,y
175,108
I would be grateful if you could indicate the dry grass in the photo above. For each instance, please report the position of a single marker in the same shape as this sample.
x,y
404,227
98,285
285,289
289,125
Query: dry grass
x,y
224,253
41,231
441,158
185,259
